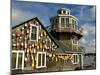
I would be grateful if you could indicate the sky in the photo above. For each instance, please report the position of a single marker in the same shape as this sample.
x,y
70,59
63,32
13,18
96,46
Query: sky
x,y
22,11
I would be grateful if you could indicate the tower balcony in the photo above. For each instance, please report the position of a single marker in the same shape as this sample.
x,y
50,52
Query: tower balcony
x,y
68,28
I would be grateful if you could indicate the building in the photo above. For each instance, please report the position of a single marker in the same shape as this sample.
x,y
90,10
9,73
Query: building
x,y
33,47
64,27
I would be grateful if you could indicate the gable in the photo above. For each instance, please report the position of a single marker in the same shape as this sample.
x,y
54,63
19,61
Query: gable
x,y
21,35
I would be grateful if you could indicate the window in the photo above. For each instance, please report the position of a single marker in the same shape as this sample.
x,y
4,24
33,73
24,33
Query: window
x,y
56,21
34,32
68,13
75,41
41,60
67,22
75,59
14,60
17,59
62,22
73,23
64,11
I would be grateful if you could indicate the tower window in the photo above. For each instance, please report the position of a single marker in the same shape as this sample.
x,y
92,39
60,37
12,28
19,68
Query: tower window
x,y
62,22
67,22
68,13
75,41
73,23
64,11
56,21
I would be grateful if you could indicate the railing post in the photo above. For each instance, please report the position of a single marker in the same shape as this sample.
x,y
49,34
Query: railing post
x,y
82,61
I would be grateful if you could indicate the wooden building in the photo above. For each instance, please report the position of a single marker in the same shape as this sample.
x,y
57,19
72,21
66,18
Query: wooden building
x,y
33,47
64,27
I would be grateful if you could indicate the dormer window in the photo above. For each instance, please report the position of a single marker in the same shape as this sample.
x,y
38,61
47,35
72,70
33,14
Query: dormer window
x,y
64,11
68,13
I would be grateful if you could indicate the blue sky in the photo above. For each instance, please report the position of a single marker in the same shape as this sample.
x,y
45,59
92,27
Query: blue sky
x,y
22,11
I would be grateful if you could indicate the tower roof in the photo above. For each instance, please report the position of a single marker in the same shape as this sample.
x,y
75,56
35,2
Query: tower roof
x,y
63,11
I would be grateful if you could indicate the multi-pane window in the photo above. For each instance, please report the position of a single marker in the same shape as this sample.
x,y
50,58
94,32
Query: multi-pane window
x,y
75,59
34,33
75,41
41,60
62,22
67,22
74,23
14,60
17,59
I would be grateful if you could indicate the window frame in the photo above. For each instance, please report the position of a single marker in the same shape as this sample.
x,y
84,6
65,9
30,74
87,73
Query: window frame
x,y
37,31
62,23
73,41
76,62
41,66
65,22
74,44
17,56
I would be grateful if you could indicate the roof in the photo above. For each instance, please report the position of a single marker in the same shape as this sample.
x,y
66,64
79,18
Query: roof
x,y
63,50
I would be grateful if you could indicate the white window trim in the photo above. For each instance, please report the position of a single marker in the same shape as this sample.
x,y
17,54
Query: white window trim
x,y
41,60
73,23
33,25
74,43
23,56
65,22
77,59
61,23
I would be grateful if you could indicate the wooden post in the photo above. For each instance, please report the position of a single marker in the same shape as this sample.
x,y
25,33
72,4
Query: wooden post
x,y
82,61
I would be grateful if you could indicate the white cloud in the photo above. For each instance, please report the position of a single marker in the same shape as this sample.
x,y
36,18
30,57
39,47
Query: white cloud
x,y
87,14
88,29
88,40
88,45
83,41
19,16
